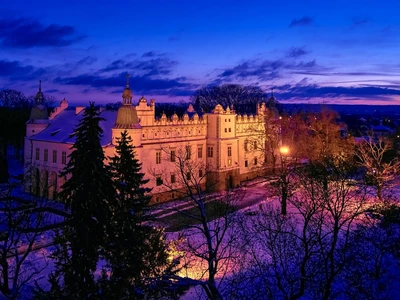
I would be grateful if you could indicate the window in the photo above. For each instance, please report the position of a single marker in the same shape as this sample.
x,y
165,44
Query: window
x,y
229,162
210,151
255,160
229,151
200,152
229,120
158,157
173,155
159,181
230,129
246,146
188,152
226,130
246,163
173,178
255,145
46,155
200,173
54,156
64,157
188,176
37,154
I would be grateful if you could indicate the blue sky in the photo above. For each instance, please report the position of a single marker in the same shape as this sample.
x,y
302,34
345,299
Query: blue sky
x,y
308,51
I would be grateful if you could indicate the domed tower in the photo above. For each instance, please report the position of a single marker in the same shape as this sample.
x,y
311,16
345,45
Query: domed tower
x,y
39,111
39,117
127,118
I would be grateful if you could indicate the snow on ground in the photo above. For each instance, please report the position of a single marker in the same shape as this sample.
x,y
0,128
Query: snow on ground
x,y
254,203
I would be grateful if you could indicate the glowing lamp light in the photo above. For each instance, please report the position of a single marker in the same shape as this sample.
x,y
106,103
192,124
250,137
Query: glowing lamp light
x,y
284,150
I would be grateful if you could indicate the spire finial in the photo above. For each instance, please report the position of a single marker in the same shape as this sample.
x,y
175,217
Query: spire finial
x,y
40,85
127,80
272,92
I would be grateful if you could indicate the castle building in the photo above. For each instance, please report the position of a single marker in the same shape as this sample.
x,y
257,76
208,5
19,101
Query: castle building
x,y
216,150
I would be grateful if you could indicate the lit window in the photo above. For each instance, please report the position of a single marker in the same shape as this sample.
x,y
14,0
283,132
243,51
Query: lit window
x,y
159,181
210,151
46,155
229,151
188,152
37,154
158,157
200,152
54,156
173,155
64,157
173,178
229,162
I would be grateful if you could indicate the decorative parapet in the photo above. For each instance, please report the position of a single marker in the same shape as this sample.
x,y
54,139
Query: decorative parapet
x,y
175,120
59,109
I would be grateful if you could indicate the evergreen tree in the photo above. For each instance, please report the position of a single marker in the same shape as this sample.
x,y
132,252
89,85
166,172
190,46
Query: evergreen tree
x,y
86,194
136,253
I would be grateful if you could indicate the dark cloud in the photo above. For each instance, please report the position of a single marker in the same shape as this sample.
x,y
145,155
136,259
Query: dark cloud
x,y
160,65
27,33
15,70
173,38
358,21
52,91
304,21
139,84
149,54
307,92
267,69
296,52
88,60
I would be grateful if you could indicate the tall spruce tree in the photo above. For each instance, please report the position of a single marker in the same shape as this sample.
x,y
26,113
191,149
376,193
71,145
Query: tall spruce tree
x,y
87,194
136,253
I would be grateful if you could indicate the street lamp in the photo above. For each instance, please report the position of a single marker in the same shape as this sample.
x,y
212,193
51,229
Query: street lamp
x,y
284,150
284,179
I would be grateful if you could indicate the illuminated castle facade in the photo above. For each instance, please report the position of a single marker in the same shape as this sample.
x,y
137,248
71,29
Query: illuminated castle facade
x,y
217,150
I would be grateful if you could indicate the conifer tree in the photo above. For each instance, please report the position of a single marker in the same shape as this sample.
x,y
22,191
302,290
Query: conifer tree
x,y
136,253
86,194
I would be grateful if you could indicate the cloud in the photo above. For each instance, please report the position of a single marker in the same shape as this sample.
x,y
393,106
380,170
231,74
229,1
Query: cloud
x,y
307,92
139,83
15,70
358,21
28,33
88,60
151,64
268,69
296,52
149,54
304,21
174,38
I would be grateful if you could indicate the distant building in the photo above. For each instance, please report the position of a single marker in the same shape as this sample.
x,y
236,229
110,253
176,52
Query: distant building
x,y
221,148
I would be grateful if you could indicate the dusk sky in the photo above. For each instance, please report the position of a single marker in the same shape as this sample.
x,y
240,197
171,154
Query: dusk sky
x,y
308,51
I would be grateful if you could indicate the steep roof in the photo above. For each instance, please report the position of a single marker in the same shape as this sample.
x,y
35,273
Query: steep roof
x,y
63,125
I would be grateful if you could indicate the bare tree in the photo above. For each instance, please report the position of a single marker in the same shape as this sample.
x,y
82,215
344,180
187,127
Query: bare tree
x,y
303,253
22,225
208,237
243,98
379,170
